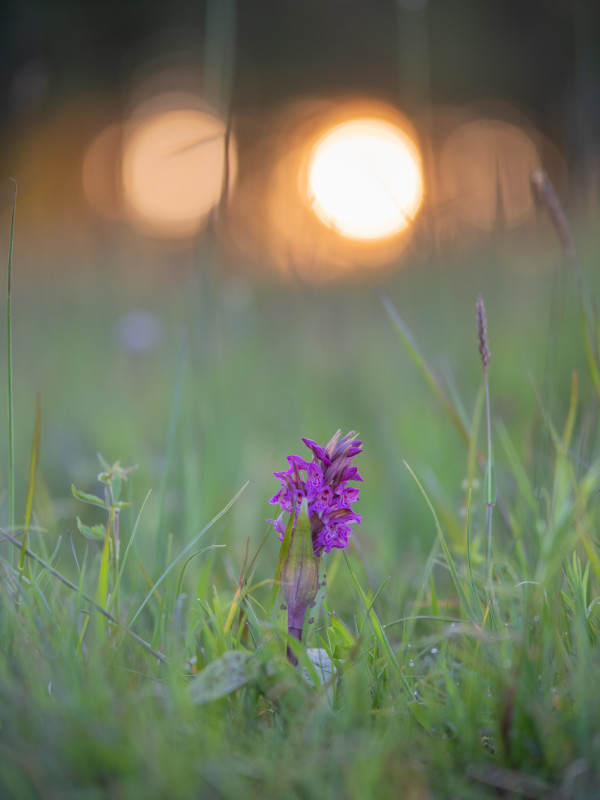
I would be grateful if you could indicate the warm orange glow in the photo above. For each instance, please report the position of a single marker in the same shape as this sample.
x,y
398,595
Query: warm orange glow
x,y
284,211
173,170
364,179
484,173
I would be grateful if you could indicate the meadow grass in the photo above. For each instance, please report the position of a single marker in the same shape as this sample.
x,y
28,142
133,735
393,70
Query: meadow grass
x,y
456,673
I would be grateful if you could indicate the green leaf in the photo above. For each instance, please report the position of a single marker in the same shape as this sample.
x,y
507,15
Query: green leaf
x,y
95,532
300,573
283,554
312,617
35,455
92,499
102,590
226,674
116,485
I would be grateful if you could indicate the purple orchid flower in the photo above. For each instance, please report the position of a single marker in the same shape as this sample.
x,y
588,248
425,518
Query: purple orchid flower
x,y
323,481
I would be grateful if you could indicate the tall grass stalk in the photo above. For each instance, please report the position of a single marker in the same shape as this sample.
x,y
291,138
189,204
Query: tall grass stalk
x,y
33,463
546,197
9,368
490,491
170,443
414,352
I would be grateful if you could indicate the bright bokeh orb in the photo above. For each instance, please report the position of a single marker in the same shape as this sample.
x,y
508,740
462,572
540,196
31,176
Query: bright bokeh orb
x,y
484,172
173,171
365,180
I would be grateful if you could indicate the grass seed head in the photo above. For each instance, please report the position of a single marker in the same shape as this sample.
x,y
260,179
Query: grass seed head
x,y
546,198
484,348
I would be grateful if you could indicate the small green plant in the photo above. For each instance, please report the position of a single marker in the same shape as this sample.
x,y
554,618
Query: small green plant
x,y
112,476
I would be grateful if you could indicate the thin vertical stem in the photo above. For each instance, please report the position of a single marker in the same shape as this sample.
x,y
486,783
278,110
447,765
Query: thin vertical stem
x,y
545,195
219,61
33,465
489,482
11,440
490,491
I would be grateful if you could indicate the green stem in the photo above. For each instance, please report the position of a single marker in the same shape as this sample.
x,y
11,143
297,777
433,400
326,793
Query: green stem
x,y
490,500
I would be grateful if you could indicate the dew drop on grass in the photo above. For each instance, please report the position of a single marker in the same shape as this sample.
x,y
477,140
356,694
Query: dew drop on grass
x,y
411,663
434,651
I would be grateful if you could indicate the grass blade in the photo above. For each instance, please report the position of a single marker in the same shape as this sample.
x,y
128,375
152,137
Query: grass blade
x,y
283,554
376,625
87,598
102,590
413,350
127,549
9,365
517,467
186,550
465,599
35,454
171,435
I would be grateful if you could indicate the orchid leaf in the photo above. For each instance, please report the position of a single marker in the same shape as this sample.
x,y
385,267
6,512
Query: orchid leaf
x,y
232,670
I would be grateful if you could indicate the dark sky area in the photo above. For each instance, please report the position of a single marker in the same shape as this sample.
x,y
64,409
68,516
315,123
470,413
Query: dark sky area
x,y
543,55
